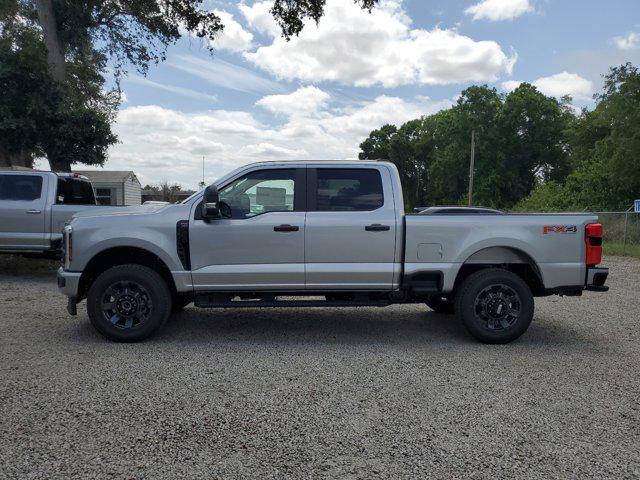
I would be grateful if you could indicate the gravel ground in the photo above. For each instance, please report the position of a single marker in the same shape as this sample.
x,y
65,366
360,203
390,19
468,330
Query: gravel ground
x,y
399,392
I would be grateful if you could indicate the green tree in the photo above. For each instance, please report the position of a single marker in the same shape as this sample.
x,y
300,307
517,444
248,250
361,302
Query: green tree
x,y
23,106
376,146
605,150
477,108
80,42
519,138
534,130
36,118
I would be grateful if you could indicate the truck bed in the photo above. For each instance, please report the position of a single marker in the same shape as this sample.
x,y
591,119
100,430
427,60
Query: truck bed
x,y
554,243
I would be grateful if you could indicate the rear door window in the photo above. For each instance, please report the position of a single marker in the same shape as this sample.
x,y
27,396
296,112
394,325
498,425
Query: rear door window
x,y
20,187
72,191
348,190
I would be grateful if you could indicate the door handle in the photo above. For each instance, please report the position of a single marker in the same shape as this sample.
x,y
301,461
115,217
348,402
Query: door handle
x,y
286,228
376,227
33,211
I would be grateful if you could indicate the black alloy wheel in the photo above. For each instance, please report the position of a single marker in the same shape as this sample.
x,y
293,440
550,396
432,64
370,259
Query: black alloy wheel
x,y
128,303
495,305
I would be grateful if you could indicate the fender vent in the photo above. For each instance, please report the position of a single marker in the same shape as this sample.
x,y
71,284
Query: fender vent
x,y
182,243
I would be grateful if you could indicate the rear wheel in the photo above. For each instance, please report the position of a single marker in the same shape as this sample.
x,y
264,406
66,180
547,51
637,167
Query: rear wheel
x,y
442,305
496,306
128,303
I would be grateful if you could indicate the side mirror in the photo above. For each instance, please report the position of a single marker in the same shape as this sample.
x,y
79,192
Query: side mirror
x,y
210,207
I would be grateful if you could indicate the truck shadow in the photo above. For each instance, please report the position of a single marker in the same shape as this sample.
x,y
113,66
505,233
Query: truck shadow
x,y
393,326
328,325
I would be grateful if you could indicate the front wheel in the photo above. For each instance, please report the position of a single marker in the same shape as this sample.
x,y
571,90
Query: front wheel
x,y
495,305
128,303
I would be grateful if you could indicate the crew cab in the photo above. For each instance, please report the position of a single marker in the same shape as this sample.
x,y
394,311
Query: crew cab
x,y
35,206
322,233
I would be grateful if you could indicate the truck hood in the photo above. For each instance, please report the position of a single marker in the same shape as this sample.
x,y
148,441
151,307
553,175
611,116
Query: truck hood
x,y
104,211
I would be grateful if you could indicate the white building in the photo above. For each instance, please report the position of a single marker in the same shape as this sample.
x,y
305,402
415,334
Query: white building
x,y
114,187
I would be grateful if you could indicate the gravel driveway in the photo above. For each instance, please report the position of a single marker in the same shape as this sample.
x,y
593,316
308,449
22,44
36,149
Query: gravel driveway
x,y
398,392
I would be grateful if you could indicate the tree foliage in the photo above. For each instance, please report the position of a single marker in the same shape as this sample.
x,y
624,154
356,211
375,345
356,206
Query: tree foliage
x,y
55,54
532,151
292,14
37,117
165,191
605,151
519,138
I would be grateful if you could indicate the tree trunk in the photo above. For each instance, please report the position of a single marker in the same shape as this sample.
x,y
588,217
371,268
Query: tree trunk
x,y
59,164
55,50
15,159
55,62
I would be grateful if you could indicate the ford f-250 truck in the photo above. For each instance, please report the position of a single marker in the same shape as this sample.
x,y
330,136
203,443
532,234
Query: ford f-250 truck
x,y
35,206
322,234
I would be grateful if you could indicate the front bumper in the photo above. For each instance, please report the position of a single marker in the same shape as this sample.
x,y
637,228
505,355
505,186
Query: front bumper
x,y
68,282
596,278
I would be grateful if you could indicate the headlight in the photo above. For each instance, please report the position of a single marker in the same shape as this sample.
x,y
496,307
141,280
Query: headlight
x,y
67,245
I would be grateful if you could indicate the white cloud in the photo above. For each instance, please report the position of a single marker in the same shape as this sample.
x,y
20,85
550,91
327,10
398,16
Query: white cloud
x,y
353,47
233,37
565,83
186,92
303,102
259,18
510,85
160,143
630,42
266,149
558,85
224,74
496,10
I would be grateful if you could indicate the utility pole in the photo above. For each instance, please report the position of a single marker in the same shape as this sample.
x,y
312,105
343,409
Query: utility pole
x,y
473,154
202,184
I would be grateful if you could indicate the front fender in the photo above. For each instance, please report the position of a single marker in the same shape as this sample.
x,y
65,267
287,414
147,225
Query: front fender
x,y
162,246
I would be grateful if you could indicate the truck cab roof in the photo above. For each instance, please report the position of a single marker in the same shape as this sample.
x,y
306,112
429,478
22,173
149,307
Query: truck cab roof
x,y
22,171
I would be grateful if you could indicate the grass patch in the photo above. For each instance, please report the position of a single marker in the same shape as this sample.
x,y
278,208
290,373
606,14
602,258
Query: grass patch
x,y
619,249
19,265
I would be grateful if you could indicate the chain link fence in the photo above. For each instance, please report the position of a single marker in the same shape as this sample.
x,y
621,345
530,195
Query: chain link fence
x,y
621,232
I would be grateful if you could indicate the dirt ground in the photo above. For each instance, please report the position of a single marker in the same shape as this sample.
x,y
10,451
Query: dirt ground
x,y
398,392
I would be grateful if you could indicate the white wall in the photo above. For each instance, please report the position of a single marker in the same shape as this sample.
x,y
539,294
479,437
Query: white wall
x,y
132,193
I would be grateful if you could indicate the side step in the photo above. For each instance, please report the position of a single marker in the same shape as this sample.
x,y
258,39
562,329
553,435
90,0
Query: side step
x,y
222,300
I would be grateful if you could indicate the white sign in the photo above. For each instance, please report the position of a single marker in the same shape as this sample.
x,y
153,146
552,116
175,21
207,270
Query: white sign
x,y
636,206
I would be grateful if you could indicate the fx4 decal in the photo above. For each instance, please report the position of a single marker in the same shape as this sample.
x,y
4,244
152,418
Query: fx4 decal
x,y
559,229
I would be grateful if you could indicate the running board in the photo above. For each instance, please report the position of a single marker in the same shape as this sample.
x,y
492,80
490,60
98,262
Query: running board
x,y
216,300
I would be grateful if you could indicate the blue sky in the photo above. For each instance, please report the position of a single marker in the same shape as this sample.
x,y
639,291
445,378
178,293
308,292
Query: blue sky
x,y
261,98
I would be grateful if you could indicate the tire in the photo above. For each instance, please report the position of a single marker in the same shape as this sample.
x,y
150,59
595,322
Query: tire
x,y
440,305
495,305
128,303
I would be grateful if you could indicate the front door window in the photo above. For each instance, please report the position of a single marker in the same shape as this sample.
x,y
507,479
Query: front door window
x,y
260,192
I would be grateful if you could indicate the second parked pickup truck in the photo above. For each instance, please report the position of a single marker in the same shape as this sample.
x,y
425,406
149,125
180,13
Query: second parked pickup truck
x,y
322,234
34,206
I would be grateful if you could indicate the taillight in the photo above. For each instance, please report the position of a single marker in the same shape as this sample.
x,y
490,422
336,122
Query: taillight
x,y
593,239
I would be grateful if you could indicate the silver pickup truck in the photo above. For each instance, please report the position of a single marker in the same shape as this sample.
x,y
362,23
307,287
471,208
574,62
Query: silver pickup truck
x,y
322,234
34,207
